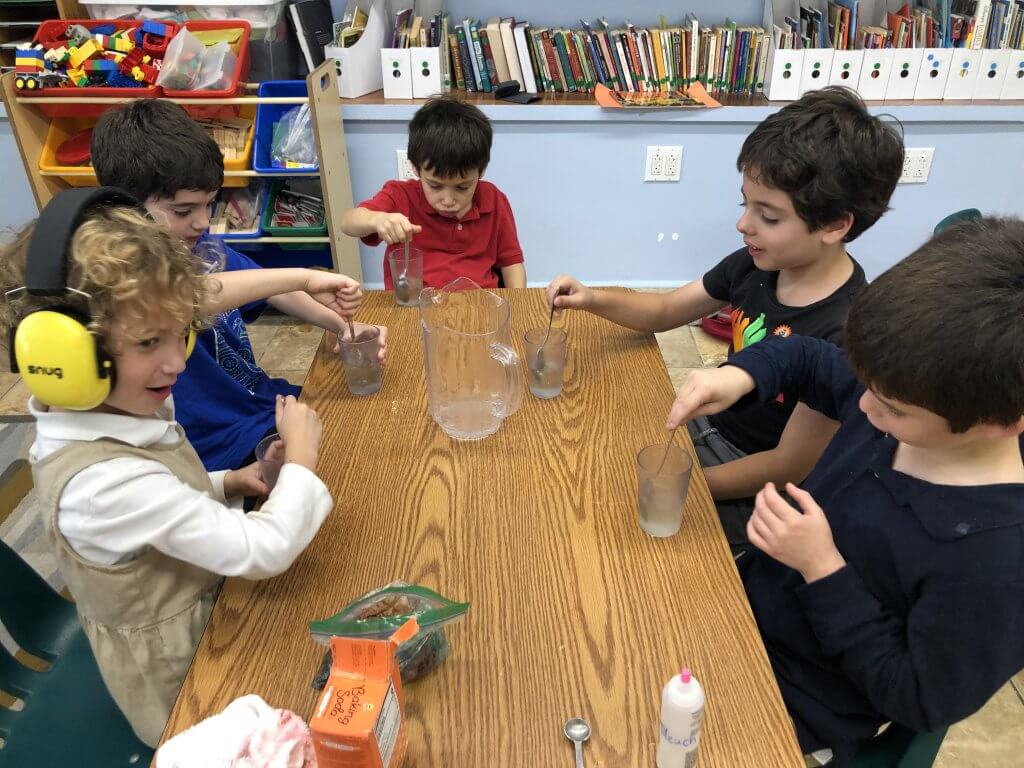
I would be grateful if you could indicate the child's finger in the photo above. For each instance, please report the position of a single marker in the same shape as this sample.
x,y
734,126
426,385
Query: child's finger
x,y
777,505
755,538
805,501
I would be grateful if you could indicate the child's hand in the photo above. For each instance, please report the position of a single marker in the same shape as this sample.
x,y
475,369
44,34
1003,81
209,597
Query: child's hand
x,y
801,540
300,429
707,392
566,292
382,353
395,228
339,293
246,481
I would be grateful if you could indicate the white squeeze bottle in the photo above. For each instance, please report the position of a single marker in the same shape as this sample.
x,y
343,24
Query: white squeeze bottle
x,y
682,709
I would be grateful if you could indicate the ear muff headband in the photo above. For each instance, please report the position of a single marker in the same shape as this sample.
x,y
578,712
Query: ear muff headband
x,y
46,270
61,362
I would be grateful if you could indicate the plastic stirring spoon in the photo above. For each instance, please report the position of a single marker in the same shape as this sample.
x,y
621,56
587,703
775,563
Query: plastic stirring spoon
x,y
577,730
648,488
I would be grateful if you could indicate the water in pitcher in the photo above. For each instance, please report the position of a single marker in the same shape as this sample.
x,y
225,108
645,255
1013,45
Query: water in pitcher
x,y
468,418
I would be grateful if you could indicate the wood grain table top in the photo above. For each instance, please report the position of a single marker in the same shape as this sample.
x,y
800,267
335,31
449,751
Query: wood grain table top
x,y
574,610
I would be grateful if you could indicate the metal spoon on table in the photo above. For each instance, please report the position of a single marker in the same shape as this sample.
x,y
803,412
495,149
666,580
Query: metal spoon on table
x,y
402,282
577,730
539,361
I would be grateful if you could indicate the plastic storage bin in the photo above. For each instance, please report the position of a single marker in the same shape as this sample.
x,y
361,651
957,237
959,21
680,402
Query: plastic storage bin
x,y
271,231
59,131
245,234
267,116
242,163
261,14
241,50
61,101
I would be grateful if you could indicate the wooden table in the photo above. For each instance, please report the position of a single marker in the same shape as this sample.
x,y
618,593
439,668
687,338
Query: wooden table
x,y
575,611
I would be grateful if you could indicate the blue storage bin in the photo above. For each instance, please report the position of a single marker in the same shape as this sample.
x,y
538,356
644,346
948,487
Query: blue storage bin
x,y
268,115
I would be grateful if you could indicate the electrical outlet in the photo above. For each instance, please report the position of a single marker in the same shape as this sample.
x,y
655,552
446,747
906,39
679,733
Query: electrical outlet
x,y
917,163
663,163
673,163
405,169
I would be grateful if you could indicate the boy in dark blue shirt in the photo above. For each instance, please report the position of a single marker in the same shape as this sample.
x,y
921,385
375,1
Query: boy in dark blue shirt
x,y
890,586
224,400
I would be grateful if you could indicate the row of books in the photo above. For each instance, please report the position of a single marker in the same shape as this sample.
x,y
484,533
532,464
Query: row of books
x,y
726,58
973,24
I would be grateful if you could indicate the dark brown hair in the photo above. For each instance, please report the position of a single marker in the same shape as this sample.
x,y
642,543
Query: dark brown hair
x,y
944,328
830,156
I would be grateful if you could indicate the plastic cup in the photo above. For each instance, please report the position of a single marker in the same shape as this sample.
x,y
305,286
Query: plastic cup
x,y
406,274
545,366
270,457
661,494
360,359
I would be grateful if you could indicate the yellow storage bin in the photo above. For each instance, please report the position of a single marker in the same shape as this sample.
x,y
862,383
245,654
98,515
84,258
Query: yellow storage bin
x,y
61,129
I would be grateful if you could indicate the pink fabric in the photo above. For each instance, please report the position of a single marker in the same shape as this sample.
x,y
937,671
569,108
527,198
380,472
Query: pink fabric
x,y
247,734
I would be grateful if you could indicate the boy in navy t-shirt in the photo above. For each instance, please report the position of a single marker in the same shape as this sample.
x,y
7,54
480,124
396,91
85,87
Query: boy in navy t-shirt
x,y
890,586
224,400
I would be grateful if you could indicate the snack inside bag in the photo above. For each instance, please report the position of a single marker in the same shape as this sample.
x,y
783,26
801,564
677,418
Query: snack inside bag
x,y
377,614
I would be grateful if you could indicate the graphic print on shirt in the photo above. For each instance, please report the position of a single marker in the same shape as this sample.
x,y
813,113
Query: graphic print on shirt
x,y
238,362
744,332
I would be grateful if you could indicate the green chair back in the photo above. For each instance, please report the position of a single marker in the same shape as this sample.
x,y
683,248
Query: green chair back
x,y
67,717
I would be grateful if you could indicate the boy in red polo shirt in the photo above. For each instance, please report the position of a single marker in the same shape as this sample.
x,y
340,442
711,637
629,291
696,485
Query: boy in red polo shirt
x,y
463,226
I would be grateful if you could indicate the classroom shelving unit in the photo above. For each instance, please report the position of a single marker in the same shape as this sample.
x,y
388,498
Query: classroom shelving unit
x,y
29,126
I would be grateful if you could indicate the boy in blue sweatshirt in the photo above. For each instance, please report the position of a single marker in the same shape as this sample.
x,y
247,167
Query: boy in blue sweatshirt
x,y
890,585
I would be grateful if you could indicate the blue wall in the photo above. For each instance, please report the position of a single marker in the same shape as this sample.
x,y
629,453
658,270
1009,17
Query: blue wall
x,y
17,206
574,178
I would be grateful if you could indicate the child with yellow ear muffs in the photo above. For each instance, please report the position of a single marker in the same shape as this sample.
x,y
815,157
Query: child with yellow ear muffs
x,y
101,305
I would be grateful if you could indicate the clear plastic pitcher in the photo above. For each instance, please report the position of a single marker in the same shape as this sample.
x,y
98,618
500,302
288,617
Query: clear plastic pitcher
x,y
472,372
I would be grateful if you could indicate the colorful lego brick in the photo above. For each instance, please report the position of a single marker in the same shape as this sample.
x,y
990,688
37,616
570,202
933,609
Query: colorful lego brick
x,y
29,57
155,28
82,53
77,35
119,80
104,29
94,66
56,56
146,73
78,77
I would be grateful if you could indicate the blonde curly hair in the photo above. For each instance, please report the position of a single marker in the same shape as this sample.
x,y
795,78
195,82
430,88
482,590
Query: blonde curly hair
x,y
130,267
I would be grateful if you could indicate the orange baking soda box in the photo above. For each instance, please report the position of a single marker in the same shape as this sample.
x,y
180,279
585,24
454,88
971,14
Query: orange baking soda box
x,y
359,720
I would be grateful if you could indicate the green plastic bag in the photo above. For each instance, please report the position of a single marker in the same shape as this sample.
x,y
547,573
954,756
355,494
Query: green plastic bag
x,y
377,614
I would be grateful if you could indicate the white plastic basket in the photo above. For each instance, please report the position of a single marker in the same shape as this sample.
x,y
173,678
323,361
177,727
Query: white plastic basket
x,y
261,14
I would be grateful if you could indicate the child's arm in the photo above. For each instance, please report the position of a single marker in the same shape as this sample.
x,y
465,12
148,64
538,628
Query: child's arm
x,y
390,227
514,276
926,669
339,294
130,503
812,370
804,439
648,312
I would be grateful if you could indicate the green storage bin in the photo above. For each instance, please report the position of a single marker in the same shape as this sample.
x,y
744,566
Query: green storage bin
x,y
272,231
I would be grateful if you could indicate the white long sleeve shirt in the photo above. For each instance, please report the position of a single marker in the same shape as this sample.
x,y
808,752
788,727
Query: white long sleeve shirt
x,y
112,510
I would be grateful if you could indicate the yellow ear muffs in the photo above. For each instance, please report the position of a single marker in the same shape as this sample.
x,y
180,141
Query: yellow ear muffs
x,y
61,362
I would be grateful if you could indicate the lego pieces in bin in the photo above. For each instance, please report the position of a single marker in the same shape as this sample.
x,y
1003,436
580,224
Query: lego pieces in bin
x,y
29,64
294,208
